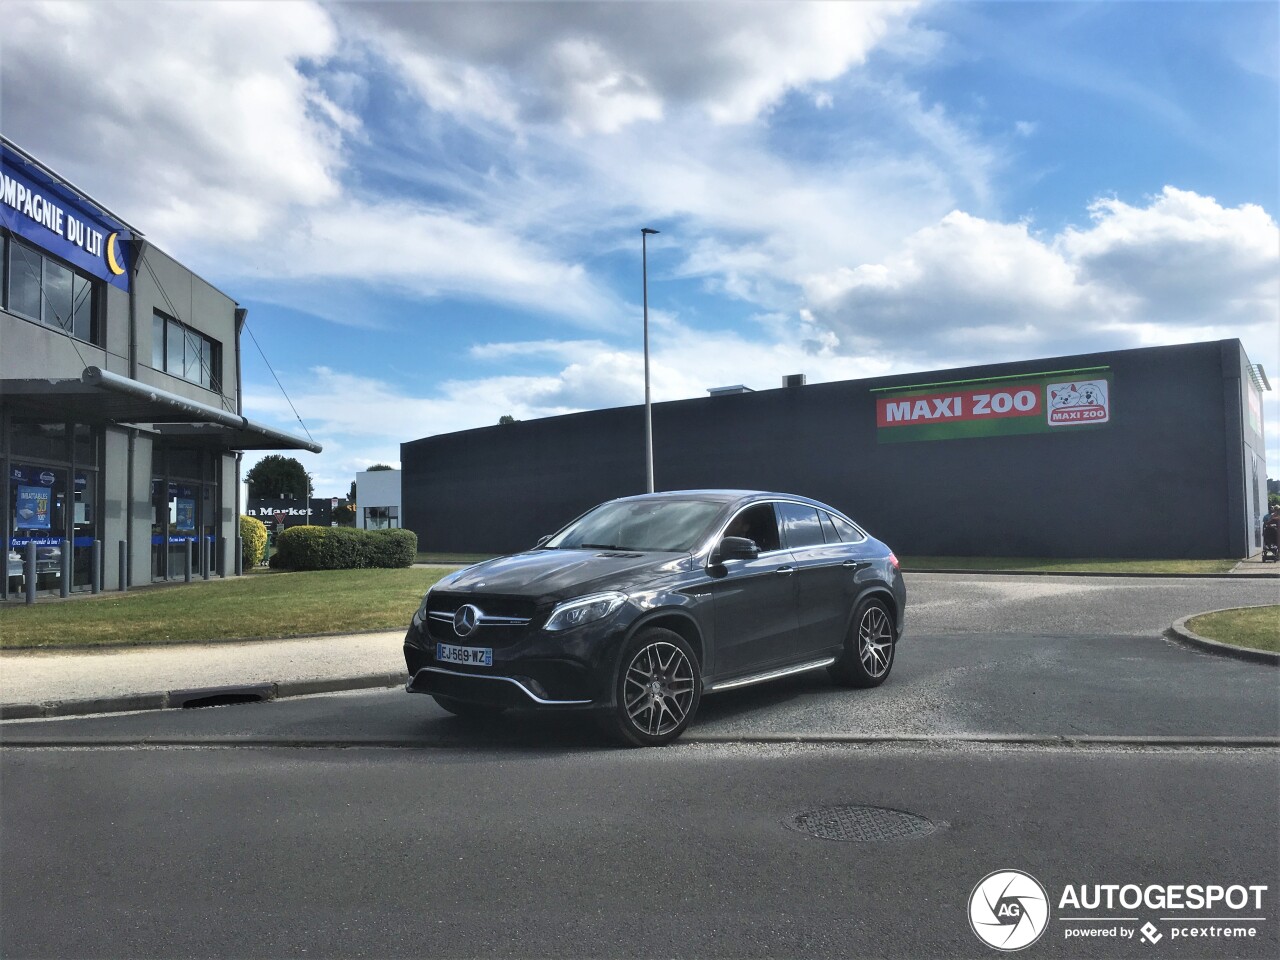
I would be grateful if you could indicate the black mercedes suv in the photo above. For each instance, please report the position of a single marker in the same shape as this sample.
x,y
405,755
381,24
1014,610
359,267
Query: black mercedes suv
x,y
643,604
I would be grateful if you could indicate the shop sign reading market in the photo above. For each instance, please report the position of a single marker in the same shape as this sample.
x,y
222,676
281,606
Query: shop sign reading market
x,y
43,212
1034,403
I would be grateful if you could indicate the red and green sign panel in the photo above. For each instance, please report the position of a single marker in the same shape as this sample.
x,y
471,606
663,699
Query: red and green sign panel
x,y
1056,401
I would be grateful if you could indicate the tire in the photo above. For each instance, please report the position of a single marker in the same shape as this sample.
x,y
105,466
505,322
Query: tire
x,y
868,648
657,687
466,709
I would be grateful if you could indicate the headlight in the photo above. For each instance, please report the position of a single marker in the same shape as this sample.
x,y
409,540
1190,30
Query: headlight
x,y
574,613
422,607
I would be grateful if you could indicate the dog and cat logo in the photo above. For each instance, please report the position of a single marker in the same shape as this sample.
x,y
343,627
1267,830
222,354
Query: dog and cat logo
x,y
1083,401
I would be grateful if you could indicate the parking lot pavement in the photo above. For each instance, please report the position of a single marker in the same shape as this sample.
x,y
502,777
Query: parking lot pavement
x,y
958,686
678,852
1070,606
1036,614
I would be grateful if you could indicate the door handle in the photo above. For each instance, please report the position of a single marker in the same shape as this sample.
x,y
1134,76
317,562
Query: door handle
x,y
785,570
856,564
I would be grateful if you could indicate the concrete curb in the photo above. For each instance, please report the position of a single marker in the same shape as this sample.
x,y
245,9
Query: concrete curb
x,y
176,699
1099,573
218,641
1180,632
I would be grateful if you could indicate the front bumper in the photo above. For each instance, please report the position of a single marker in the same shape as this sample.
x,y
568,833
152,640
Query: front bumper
x,y
493,689
531,668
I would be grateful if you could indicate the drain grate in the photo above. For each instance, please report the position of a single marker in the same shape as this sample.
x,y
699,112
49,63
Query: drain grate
x,y
860,824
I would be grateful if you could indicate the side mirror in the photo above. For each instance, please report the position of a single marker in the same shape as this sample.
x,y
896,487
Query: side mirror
x,y
541,541
735,548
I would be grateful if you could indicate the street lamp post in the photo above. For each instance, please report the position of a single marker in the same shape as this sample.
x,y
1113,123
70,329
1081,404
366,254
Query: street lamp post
x,y
648,406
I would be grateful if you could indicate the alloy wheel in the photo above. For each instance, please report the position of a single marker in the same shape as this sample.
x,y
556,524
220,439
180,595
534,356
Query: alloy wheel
x,y
659,688
875,641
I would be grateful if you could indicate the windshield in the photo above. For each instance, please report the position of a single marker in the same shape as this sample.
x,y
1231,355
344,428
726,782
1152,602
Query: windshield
x,y
658,525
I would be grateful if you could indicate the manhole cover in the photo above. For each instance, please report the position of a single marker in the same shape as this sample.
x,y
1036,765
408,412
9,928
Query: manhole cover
x,y
858,823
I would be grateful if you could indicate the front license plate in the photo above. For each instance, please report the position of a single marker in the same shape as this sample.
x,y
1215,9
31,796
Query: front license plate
x,y
475,656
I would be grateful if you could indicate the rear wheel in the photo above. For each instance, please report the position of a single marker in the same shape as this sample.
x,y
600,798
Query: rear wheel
x,y
467,710
656,690
868,647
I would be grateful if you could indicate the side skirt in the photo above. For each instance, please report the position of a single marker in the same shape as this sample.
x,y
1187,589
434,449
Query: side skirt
x,y
772,675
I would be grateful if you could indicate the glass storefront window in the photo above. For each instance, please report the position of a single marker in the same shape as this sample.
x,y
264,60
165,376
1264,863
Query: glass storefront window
x,y
37,514
38,441
183,511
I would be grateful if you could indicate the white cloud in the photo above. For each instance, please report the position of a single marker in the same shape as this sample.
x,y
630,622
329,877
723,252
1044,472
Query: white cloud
x,y
1182,267
600,67
186,118
428,252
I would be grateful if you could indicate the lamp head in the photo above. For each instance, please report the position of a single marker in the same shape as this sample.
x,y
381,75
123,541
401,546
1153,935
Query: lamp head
x,y
647,230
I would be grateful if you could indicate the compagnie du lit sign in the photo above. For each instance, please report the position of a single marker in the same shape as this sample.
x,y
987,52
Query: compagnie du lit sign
x,y
45,213
1038,403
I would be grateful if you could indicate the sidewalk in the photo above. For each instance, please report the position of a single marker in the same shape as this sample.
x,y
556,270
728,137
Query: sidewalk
x,y
1254,567
44,683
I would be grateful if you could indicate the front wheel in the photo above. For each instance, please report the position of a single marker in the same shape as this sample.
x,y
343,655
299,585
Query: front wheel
x,y
868,647
656,690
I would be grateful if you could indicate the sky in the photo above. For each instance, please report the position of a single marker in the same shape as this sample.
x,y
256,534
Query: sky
x,y
432,211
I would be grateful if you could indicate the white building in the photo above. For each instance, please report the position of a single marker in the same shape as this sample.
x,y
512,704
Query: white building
x,y
378,499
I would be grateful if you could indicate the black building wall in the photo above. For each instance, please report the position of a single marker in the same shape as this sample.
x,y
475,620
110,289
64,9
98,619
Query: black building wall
x,y
1161,479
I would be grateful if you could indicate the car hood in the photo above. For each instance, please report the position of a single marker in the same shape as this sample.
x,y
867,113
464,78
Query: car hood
x,y
562,574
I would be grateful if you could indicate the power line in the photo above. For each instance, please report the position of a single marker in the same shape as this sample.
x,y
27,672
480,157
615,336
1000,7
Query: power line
x,y
278,383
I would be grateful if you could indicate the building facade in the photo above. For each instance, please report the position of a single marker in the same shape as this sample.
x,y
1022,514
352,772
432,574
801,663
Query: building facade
x,y
378,500
120,398
1155,452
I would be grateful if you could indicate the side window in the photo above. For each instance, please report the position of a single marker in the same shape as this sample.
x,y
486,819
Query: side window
x,y
828,528
848,532
756,523
801,525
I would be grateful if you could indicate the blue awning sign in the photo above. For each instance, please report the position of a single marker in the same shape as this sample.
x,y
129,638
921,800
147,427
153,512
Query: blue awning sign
x,y
46,213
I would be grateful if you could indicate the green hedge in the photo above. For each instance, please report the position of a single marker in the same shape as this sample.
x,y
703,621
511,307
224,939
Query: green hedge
x,y
343,548
253,540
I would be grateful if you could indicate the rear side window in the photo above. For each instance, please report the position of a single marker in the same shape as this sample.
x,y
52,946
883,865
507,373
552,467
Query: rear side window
x,y
848,532
800,525
828,528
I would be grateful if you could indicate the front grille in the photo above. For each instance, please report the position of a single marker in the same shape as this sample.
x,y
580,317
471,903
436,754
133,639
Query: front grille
x,y
439,621
494,606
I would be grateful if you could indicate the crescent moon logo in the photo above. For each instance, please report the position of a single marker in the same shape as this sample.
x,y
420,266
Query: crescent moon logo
x,y
112,263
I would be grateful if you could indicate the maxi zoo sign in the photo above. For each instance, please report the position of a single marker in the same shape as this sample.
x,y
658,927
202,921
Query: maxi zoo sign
x,y
1037,403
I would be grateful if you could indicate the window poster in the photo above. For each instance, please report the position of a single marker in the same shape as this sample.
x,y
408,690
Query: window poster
x,y
186,514
33,508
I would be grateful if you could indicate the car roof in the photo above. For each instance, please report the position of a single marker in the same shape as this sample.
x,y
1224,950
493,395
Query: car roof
x,y
726,496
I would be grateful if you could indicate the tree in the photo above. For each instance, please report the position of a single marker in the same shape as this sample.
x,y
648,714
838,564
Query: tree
x,y
505,419
275,477
379,466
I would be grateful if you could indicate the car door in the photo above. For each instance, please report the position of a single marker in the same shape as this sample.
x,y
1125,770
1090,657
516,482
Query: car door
x,y
755,600
825,571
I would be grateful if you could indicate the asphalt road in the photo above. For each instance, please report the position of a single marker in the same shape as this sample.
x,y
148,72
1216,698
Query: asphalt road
x,y
372,824
681,852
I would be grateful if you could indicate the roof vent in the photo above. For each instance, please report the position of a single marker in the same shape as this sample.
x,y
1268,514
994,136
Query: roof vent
x,y
725,391
794,380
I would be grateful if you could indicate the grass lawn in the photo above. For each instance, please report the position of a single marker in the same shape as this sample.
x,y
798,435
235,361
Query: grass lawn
x,y
260,605
1067,566
1256,627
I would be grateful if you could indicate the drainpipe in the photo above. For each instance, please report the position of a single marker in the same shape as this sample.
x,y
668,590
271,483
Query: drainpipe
x,y
139,252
